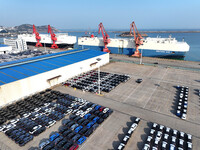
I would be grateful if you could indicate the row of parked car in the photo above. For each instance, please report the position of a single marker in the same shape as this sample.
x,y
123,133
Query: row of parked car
x,y
165,138
89,81
55,107
75,130
182,102
127,135
22,130
26,105
30,104
19,135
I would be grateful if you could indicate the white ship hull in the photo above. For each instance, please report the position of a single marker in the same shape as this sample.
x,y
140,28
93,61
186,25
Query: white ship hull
x,y
152,47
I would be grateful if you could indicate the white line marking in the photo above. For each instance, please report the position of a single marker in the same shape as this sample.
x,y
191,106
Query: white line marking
x,y
154,89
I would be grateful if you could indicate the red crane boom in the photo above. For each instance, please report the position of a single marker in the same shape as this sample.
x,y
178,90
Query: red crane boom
x,y
137,38
37,37
53,38
105,37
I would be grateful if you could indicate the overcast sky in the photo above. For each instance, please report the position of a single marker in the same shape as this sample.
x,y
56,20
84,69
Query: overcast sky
x,y
115,14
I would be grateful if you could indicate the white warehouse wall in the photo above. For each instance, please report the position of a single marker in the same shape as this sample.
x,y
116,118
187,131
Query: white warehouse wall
x,y
22,88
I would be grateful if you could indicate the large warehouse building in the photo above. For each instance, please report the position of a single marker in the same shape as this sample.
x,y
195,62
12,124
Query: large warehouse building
x,y
22,78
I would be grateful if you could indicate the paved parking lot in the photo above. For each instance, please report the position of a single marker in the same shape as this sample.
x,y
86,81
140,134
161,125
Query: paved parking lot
x,y
157,92
153,100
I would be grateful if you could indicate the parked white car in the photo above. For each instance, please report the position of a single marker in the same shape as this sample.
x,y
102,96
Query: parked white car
x,y
166,136
184,116
51,123
121,146
125,139
168,129
155,125
105,110
134,126
189,144
164,145
35,129
146,147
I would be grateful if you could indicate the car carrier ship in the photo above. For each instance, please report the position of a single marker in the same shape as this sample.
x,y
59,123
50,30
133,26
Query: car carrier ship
x,y
58,40
148,47
63,40
152,47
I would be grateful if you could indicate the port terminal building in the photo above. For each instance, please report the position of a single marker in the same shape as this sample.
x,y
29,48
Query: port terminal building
x,y
22,78
16,44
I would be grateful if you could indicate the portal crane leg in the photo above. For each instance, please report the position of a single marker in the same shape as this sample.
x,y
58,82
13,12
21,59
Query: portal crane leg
x,y
105,37
37,37
137,38
137,52
53,38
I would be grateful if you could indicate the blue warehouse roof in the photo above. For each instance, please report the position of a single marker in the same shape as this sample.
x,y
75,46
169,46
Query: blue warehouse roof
x,y
20,69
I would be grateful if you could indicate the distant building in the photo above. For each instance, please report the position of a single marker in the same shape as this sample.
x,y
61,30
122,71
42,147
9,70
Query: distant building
x,y
16,44
5,49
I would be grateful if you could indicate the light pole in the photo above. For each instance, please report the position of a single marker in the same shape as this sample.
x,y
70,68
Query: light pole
x,y
141,57
99,59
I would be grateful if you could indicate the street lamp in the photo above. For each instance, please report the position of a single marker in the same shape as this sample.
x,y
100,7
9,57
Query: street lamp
x,y
141,58
98,59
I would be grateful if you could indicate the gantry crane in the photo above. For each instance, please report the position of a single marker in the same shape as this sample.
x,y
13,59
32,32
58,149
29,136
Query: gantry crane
x,y
37,37
105,37
53,38
137,38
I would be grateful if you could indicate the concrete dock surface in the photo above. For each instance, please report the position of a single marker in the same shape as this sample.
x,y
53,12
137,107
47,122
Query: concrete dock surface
x,y
174,63
153,100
